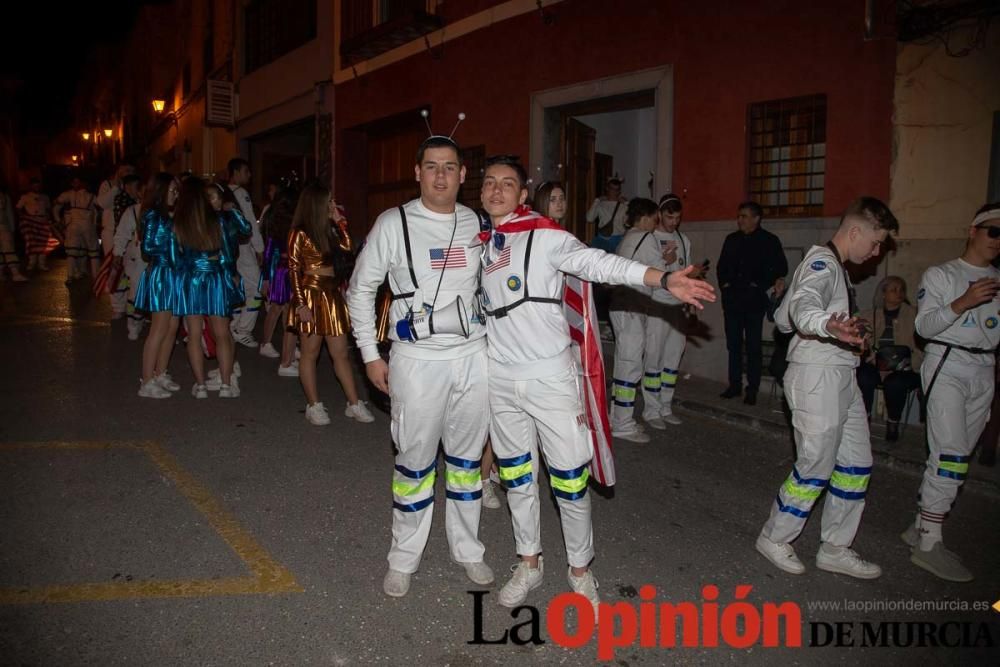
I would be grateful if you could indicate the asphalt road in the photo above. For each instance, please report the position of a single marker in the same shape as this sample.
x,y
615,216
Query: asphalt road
x,y
183,532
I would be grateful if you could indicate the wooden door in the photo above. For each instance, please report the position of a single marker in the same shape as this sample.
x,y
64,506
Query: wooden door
x,y
578,142
390,162
604,168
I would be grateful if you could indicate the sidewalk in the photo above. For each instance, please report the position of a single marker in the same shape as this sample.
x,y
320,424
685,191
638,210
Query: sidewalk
x,y
908,454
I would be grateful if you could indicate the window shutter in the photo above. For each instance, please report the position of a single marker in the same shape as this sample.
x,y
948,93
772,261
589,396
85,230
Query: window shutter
x,y
221,107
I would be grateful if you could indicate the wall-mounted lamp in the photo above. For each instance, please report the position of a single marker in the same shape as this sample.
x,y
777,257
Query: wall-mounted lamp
x,y
74,158
158,105
107,132
86,136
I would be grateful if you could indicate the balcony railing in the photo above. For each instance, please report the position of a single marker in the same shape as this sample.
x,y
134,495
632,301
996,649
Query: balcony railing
x,y
371,27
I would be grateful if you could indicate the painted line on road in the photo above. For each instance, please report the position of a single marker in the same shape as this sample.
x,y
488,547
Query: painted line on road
x,y
30,320
268,576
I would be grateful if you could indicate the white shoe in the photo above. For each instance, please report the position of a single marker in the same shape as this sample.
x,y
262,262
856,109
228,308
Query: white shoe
x,y
165,381
396,584
245,339
490,499
267,350
941,563
316,414
231,390
360,412
781,555
479,573
289,371
670,418
632,436
844,560
656,422
586,586
152,390
213,380
199,391
525,580
298,354
133,334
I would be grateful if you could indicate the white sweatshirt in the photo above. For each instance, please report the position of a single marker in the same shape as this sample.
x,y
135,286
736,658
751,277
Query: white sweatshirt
x,y
246,207
384,252
603,209
819,289
683,260
532,340
977,327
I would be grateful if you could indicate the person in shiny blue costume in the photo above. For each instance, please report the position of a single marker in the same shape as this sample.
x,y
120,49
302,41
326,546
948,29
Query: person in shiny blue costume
x,y
206,280
155,293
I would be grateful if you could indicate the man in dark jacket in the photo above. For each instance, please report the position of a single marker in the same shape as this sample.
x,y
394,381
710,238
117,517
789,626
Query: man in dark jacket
x,y
752,262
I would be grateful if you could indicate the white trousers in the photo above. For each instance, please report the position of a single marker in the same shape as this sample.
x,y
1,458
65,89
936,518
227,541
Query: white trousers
x,y
245,316
630,346
437,401
549,410
133,268
833,452
665,342
81,246
957,411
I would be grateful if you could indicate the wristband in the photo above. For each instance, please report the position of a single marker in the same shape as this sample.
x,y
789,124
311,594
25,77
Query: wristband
x,y
663,279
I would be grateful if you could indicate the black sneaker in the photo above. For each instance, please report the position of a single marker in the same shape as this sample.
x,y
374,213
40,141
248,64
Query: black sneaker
x,y
730,392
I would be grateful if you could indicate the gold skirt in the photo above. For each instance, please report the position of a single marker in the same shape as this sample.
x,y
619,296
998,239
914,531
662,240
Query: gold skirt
x,y
326,303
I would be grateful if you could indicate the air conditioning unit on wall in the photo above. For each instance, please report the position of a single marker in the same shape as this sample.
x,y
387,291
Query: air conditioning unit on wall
x,y
221,104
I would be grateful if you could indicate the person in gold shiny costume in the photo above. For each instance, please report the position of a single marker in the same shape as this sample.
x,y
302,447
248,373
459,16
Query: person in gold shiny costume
x,y
318,257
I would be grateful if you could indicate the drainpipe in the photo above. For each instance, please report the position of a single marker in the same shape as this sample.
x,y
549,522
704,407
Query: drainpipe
x,y
318,91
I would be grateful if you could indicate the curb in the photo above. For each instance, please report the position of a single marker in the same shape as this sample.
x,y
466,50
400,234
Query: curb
x,y
782,430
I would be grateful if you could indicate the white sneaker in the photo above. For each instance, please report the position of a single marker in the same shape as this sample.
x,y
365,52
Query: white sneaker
x,y
267,350
844,560
781,555
360,412
152,390
245,339
670,418
396,584
298,353
479,573
633,436
525,580
656,422
231,390
490,499
167,382
213,379
941,563
133,332
289,371
586,586
317,415
199,391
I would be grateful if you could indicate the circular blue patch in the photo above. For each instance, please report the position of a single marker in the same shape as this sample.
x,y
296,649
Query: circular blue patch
x,y
818,265
920,293
991,322
513,283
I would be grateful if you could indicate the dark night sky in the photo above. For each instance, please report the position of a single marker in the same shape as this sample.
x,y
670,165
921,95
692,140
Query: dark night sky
x,y
46,46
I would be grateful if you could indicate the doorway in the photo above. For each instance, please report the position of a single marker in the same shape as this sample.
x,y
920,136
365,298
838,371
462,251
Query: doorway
x,y
280,153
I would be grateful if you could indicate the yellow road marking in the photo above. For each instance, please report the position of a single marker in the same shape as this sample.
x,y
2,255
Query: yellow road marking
x,y
268,576
27,320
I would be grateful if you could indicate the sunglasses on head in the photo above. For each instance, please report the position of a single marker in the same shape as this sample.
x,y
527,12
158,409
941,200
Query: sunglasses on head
x,y
992,230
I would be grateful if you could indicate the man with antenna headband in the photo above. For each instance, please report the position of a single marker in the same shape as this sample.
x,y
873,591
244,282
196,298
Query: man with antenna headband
x,y
436,381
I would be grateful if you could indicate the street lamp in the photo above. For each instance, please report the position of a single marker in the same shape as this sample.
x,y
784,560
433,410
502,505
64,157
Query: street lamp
x,y
107,132
158,105
86,136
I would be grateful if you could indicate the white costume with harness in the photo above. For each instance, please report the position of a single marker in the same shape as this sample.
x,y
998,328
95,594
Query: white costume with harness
x,y
665,338
832,441
245,316
437,384
533,379
81,229
957,376
106,195
127,246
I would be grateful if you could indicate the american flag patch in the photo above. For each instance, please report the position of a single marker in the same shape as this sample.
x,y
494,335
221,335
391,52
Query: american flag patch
x,y
448,258
501,261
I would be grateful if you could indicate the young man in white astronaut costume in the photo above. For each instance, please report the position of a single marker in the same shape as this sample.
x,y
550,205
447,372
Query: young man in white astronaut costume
x,y
249,260
832,440
532,375
958,315
665,324
437,383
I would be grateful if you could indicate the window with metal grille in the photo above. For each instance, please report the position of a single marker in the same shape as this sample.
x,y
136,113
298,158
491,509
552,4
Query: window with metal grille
x,y
273,28
787,155
474,159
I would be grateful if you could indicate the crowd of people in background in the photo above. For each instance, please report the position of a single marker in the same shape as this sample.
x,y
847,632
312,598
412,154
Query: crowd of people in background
x,y
190,257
